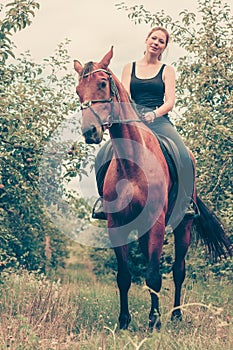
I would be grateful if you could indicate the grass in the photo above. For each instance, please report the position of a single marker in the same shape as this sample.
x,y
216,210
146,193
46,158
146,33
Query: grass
x,y
79,312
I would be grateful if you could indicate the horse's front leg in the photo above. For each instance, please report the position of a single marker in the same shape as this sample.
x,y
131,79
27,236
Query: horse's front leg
x,y
182,241
124,283
153,276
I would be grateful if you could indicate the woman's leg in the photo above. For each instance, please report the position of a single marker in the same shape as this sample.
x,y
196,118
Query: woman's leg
x,y
163,126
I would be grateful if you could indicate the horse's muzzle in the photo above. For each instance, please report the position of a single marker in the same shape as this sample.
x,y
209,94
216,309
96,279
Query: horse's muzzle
x,y
93,135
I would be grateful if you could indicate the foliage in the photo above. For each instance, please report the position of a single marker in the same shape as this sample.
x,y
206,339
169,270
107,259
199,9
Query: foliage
x,y
17,16
205,88
30,112
35,99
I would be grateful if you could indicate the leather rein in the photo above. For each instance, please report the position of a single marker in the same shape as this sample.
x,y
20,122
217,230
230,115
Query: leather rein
x,y
113,93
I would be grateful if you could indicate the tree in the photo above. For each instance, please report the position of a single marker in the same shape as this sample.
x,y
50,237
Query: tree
x,y
35,99
18,16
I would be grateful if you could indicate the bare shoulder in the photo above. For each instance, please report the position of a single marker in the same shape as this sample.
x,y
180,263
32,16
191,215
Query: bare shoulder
x,y
127,68
126,75
169,69
169,72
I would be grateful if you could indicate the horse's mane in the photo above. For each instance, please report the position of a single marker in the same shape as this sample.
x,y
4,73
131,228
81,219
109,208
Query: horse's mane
x,y
124,96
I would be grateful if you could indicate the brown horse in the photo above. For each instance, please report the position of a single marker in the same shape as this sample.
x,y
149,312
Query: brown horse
x,y
136,187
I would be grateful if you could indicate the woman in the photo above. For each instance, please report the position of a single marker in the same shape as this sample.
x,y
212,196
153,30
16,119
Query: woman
x,y
148,81
151,85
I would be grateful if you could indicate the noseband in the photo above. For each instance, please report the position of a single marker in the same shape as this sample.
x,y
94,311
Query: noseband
x,y
113,93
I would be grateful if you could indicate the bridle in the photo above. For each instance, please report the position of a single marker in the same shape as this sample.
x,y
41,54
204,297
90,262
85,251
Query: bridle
x,y
113,93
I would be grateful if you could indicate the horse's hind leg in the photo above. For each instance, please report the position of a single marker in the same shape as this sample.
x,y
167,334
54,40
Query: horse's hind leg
x,y
123,282
182,241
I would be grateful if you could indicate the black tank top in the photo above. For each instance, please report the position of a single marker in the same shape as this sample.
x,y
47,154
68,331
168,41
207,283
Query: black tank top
x,y
147,93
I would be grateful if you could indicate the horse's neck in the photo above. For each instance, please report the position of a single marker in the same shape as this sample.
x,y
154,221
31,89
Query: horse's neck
x,y
127,113
130,136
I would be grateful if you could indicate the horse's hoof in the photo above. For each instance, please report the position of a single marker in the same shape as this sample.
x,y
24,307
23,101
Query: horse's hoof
x,y
124,322
154,322
176,315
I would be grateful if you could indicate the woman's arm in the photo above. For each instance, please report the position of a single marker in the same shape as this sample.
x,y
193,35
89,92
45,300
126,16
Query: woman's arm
x,y
170,85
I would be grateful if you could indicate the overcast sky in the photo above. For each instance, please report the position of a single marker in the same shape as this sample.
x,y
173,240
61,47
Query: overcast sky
x,y
93,26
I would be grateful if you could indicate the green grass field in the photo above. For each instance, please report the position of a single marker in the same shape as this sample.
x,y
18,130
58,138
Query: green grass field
x,y
79,312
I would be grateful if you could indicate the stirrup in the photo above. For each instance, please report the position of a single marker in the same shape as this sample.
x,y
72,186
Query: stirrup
x,y
192,211
98,210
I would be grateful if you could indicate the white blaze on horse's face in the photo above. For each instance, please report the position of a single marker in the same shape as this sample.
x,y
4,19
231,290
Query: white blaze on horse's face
x,y
95,97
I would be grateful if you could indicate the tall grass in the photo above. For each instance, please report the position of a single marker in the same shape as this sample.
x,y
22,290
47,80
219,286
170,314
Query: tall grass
x,y
79,312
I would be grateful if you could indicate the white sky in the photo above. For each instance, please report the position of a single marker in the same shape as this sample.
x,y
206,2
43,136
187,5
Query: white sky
x,y
93,26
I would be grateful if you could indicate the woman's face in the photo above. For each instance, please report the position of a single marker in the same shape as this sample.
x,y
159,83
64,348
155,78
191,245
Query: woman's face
x,y
156,42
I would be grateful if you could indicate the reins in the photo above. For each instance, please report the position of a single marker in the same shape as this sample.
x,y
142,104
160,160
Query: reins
x,y
113,93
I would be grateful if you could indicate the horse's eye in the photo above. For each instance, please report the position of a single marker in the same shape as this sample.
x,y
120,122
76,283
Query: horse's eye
x,y
103,84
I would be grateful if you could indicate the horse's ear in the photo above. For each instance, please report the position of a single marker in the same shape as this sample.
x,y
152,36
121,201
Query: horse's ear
x,y
104,63
78,67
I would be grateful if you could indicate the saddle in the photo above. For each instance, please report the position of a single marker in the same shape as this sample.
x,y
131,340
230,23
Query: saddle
x,y
172,157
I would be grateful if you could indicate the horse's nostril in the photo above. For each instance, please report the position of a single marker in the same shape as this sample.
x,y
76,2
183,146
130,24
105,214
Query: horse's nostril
x,y
94,129
86,133
90,131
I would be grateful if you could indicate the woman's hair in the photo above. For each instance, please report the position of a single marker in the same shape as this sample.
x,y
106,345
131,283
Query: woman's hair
x,y
155,29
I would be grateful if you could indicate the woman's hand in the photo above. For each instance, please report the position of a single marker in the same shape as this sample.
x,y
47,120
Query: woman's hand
x,y
149,117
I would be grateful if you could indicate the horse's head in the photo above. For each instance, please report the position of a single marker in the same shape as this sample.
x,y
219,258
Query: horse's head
x,y
96,97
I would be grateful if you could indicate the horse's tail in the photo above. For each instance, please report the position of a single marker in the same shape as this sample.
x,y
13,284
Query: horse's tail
x,y
212,233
